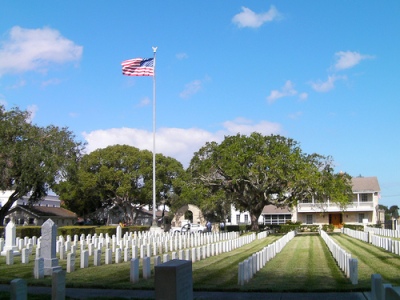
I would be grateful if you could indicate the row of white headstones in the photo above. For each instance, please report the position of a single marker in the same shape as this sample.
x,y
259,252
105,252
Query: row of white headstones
x,y
163,247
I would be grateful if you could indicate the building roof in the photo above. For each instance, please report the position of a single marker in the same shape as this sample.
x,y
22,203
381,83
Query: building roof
x,y
365,184
273,210
43,211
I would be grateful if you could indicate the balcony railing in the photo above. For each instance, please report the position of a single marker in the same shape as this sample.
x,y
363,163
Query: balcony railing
x,y
333,207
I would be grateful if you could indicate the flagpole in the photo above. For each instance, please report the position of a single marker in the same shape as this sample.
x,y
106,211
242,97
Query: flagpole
x,y
154,139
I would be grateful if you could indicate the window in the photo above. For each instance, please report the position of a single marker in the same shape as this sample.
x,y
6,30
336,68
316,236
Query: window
x,y
31,221
277,219
360,218
306,201
246,218
237,219
309,219
364,197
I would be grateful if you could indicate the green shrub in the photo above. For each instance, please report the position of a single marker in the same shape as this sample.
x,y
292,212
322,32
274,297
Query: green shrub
x,y
354,227
232,228
29,231
112,230
72,230
328,227
309,228
287,228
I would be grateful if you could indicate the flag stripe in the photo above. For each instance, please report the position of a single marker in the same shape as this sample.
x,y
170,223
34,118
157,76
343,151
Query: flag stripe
x,y
138,67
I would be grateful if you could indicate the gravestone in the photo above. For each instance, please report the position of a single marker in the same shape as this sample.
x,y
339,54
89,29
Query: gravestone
x,y
18,289
70,262
38,270
84,259
134,270
173,280
58,285
10,241
97,257
48,247
25,256
10,257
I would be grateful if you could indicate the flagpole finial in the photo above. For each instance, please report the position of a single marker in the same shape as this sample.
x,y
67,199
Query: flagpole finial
x,y
154,49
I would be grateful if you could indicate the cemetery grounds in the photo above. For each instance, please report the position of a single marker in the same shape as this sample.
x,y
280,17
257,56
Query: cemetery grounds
x,y
304,265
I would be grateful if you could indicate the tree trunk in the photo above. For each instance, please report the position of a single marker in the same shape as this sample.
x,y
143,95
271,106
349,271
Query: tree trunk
x,y
254,221
6,207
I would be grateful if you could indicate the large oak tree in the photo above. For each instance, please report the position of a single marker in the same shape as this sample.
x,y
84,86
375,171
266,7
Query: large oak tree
x,y
33,158
258,170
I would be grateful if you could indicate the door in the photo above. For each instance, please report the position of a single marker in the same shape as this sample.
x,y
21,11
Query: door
x,y
335,220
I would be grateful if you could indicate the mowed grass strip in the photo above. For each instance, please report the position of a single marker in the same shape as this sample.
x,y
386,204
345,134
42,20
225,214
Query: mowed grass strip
x,y
221,272
304,265
371,260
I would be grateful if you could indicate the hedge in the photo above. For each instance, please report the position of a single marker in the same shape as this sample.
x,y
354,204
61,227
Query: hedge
x,y
30,231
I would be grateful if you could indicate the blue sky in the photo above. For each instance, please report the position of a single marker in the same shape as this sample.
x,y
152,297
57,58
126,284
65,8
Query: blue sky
x,y
325,73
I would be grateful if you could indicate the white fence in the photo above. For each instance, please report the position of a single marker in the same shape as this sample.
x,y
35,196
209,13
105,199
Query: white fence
x,y
347,264
386,243
383,232
254,263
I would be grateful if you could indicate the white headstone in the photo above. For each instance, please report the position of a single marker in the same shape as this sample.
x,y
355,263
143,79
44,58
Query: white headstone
x,y
134,270
48,246
70,262
10,241
173,280
38,271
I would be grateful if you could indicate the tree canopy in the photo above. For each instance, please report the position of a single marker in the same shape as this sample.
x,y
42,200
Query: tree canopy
x,y
256,170
119,176
33,158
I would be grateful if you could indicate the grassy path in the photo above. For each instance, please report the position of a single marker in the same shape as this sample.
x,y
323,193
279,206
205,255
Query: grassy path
x,y
305,264
371,260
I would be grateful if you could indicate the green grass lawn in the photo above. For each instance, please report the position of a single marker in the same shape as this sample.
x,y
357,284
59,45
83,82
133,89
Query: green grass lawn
x,y
304,265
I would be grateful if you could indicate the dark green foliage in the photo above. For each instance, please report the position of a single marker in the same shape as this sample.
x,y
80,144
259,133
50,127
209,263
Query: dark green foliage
x,y
328,228
256,170
121,177
33,158
354,227
72,230
29,231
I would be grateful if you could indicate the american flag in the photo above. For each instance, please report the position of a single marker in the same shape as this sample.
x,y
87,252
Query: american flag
x,y
138,67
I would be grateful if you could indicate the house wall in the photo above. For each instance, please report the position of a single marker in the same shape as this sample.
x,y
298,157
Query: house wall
x,y
23,218
49,200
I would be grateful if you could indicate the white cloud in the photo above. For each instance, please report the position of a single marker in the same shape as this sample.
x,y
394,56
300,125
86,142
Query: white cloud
x,y
193,88
303,96
3,100
244,126
287,90
248,18
174,142
296,115
53,81
35,50
348,59
32,110
144,102
181,56
17,85
325,86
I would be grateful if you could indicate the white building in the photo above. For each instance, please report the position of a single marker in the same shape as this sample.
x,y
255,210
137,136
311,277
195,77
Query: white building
x,y
362,209
47,208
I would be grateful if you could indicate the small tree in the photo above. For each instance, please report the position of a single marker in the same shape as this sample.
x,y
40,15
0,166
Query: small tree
x,y
33,158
